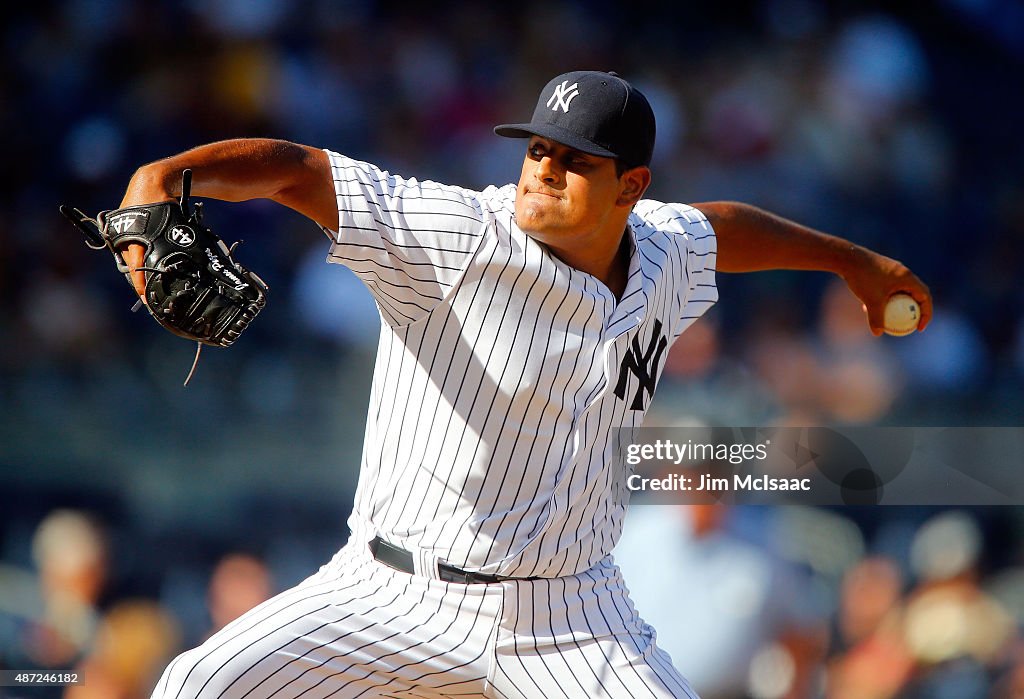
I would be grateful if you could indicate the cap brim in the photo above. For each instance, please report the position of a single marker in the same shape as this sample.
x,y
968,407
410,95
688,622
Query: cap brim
x,y
555,133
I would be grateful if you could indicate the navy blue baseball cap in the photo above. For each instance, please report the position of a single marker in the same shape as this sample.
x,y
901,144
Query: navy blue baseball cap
x,y
594,112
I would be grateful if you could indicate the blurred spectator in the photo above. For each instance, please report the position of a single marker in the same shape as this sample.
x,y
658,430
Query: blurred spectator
x,y
59,615
135,640
876,661
956,631
860,377
944,638
737,620
870,595
239,583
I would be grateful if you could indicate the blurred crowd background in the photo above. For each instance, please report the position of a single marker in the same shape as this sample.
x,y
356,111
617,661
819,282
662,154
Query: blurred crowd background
x,y
138,516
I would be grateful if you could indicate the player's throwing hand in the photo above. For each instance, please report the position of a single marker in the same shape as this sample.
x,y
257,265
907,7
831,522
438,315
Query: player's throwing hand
x,y
875,278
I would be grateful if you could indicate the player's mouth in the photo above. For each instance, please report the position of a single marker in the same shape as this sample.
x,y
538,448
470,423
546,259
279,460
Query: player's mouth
x,y
543,193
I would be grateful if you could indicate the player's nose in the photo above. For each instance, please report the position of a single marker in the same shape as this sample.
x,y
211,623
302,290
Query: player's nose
x,y
547,170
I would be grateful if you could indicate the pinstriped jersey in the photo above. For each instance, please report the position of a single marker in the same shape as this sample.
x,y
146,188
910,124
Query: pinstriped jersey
x,y
503,375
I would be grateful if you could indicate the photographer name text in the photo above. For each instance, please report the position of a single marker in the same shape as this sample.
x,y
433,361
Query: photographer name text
x,y
704,482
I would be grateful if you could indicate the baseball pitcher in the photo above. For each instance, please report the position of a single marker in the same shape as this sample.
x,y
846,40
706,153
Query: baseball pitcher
x,y
522,327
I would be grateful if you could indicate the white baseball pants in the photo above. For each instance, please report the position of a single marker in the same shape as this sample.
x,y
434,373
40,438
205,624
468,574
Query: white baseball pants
x,y
358,628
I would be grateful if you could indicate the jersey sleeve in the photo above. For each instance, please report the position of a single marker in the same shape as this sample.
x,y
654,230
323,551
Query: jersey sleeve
x,y
408,240
696,247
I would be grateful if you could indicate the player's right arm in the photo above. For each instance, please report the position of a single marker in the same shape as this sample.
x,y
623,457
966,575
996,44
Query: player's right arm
x,y
290,174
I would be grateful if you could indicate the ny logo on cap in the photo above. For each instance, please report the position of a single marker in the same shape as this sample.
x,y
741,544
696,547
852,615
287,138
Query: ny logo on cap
x,y
562,96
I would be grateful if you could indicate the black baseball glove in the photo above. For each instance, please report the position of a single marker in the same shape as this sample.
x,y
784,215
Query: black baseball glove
x,y
193,286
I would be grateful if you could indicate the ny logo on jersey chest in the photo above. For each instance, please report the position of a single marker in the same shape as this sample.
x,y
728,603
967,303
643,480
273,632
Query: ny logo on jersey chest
x,y
643,365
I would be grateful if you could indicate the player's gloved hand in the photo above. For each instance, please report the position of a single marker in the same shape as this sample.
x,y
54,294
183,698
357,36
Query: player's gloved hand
x,y
181,269
873,278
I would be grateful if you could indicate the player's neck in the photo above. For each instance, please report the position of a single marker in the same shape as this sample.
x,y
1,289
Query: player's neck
x,y
610,265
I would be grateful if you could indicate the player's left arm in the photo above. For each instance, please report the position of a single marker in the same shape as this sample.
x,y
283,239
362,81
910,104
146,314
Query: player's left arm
x,y
751,240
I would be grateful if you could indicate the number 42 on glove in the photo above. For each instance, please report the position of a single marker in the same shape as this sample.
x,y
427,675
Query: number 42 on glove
x,y
194,288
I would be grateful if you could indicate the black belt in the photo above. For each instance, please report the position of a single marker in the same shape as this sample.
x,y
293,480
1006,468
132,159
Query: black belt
x,y
400,559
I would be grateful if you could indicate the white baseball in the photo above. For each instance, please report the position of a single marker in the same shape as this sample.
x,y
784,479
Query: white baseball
x,y
901,315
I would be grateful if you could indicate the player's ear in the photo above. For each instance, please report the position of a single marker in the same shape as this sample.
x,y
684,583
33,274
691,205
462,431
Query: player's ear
x,y
633,183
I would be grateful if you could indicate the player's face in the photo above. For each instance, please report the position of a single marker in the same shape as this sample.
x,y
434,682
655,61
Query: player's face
x,y
566,195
